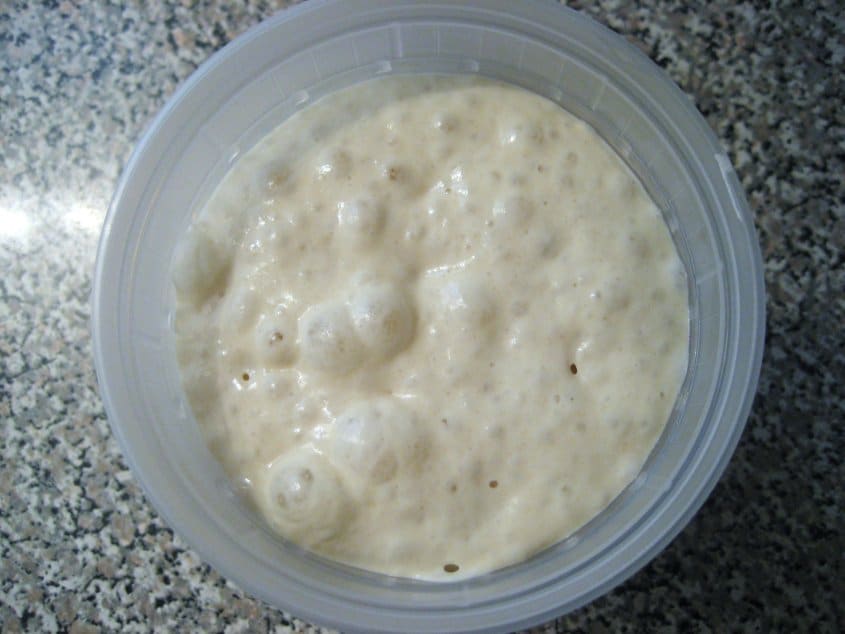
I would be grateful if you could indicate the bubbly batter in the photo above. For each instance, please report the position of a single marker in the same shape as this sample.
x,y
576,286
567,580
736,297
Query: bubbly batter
x,y
433,323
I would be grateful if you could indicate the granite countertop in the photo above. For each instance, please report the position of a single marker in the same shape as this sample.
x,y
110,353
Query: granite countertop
x,y
80,547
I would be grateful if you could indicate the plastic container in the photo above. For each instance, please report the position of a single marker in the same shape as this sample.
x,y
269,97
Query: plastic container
x,y
282,65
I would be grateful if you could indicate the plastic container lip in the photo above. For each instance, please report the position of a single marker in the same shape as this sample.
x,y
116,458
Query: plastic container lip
x,y
340,597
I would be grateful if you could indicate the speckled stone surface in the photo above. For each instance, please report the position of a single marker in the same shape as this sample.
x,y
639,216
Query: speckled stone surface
x,y
81,550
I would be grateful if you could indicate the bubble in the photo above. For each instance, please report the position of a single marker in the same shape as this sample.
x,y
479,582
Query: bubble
x,y
512,213
384,319
376,438
275,338
304,497
360,443
401,177
517,131
361,221
446,122
327,339
333,163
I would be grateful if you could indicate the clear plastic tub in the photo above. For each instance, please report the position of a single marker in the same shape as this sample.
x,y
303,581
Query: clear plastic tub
x,y
282,65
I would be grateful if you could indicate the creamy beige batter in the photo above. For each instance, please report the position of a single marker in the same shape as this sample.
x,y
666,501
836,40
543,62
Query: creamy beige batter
x,y
434,324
